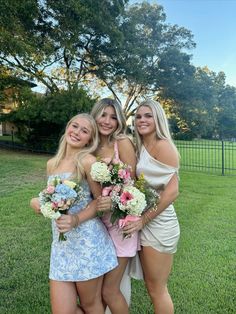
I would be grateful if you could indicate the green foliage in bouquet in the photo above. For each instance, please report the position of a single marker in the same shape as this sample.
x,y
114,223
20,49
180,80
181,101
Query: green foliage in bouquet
x,y
152,196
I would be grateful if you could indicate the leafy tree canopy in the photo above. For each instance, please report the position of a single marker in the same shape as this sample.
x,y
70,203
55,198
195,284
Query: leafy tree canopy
x,y
203,106
41,119
57,42
131,49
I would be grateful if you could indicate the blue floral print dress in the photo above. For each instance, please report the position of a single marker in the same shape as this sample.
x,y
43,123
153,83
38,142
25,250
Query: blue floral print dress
x,y
88,251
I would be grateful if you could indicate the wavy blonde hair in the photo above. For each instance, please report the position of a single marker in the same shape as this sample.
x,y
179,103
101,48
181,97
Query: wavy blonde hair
x,y
97,112
88,149
161,123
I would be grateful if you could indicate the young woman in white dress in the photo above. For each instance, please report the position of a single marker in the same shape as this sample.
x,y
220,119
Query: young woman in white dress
x,y
158,160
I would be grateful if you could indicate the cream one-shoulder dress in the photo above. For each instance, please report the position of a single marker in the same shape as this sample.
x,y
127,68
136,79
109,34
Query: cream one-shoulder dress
x,y
161,233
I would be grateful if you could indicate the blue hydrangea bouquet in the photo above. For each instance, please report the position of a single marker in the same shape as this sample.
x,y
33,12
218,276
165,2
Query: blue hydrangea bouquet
x,y
57,198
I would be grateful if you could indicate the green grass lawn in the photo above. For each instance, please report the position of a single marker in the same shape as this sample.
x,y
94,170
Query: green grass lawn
x,y
9,138
203,279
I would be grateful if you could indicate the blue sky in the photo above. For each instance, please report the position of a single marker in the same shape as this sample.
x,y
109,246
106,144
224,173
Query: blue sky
x,y
213,24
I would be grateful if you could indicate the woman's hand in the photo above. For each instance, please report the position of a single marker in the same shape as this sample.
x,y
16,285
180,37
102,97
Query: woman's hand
x,y
34,203
104,203
67,222
131,227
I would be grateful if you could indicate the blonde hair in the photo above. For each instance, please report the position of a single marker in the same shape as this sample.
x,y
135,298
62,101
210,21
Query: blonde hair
x,y
97,112
88,149
161,123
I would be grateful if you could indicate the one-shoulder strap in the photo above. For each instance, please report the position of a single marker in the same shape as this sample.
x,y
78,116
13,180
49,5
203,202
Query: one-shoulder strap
x,y
116,151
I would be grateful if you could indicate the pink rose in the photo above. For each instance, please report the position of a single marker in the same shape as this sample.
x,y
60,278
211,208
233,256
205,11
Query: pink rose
x,y
125,197
124,174
54,205
107,190
50,189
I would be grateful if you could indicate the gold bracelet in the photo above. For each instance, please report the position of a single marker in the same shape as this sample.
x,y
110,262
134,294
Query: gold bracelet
x,y
143,221
146,219
76,220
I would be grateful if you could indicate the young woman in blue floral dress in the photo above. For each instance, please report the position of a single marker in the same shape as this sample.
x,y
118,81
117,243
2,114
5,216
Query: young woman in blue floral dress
x,y
78,264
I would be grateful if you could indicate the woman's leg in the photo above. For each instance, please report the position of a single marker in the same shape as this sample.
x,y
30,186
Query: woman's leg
x,y
111,292
64,298
156,269
125,288
90,295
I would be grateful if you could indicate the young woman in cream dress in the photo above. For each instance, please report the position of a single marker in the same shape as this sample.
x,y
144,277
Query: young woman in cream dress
x,y
158,160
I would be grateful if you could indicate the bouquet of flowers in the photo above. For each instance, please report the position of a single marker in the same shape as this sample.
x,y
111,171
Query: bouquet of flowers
x,y
113,173
57,198
128,205
115,178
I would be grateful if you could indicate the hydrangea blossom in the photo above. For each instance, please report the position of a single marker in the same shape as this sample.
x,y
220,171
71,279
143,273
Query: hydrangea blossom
x,y
100,172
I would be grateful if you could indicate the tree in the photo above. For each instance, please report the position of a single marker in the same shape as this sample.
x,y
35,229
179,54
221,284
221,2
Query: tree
x,y
22,45
226,113
56,42
8,82
150,58
41,119
201,105
61,44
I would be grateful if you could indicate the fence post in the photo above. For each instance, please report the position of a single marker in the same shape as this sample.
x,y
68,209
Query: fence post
x,y
12,136
223,158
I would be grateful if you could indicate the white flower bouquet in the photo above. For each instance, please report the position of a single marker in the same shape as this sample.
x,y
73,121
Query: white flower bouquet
x,y
116,181
130,201
112,173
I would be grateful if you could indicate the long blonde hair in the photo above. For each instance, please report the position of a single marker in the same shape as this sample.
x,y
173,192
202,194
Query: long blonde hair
x,y
88,149
161,123
97,112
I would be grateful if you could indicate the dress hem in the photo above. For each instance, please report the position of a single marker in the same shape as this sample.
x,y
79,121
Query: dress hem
x,y
86,279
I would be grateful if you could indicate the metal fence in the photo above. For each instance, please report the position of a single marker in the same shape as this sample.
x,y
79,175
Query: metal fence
x,y
218,157
12,145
